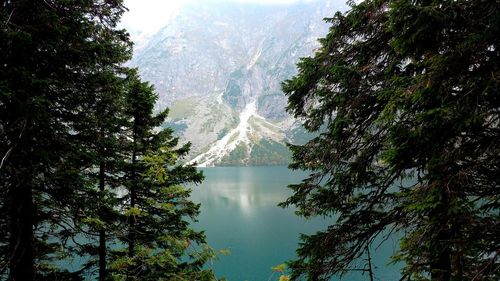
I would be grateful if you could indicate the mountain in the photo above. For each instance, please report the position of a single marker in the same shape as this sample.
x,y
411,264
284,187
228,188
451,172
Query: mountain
x,y
218,67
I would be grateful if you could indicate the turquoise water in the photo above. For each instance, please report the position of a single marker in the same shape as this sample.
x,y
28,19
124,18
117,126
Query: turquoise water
x,y
239,213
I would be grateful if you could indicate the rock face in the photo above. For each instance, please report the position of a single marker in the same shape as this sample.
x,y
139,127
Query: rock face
x,y
219,67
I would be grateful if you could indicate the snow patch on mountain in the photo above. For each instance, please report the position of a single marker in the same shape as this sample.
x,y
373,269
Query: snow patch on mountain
x,y
219,69
230,141
255,58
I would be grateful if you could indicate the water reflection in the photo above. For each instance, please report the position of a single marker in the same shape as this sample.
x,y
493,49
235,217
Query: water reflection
x,y
242,189
239,212
240,197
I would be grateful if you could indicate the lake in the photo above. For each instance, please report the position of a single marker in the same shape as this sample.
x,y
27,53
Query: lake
x,y
239,212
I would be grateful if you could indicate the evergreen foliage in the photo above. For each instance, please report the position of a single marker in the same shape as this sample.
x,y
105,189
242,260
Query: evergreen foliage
x,y
49,51
404,96
161,245
81,159
101,133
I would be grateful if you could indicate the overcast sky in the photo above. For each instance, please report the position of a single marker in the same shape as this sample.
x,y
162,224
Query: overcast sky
x,y
148,16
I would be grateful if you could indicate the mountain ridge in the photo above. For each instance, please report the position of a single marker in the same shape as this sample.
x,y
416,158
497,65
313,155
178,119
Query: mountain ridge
x,y
219,69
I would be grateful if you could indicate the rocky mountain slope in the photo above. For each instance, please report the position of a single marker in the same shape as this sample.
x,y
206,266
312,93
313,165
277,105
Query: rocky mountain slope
x,y
218,67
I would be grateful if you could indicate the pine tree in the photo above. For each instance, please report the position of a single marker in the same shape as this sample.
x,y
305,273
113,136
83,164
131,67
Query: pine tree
x,y
101,133
404,98
48,52
157,205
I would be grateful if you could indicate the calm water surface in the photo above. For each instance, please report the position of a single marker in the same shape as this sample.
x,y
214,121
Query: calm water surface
x,y
239,213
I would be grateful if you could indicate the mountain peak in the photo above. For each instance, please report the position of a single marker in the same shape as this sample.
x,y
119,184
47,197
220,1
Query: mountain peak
x,y
219,68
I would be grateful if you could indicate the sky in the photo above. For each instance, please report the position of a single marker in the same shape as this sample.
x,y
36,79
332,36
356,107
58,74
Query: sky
x,y
148,16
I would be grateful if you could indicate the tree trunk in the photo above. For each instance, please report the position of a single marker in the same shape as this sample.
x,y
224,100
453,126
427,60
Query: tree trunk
x,y
102,232
133,198
441,267
441,264
440,247
21,261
